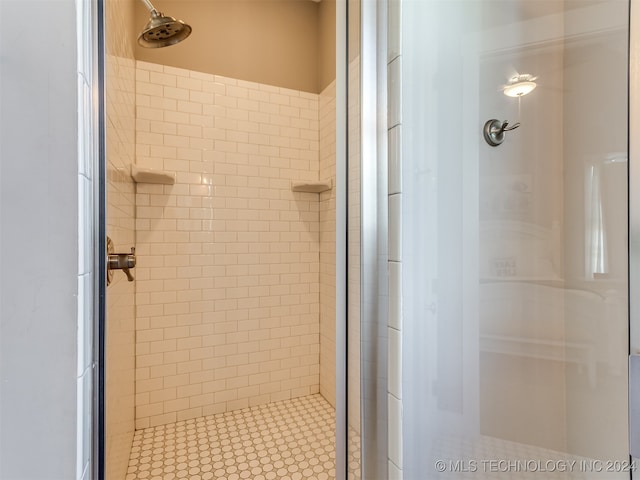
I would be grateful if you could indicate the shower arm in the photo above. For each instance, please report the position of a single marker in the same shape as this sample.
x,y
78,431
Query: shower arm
x,y
149,5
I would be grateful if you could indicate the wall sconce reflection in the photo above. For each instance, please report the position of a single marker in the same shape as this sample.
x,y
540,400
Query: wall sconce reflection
x,y
517,87
520,85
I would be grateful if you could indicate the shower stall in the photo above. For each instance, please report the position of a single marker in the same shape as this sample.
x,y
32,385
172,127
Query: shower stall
x,y
220,343
423,257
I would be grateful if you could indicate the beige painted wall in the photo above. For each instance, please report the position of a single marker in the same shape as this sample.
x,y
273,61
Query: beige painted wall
x,y
121,27
275,42
327,44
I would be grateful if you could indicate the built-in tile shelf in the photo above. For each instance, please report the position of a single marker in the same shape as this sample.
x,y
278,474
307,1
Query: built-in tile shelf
x,y
150,175
312,187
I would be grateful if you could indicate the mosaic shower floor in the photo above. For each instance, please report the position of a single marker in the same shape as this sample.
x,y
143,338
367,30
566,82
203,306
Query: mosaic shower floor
x,y
287,440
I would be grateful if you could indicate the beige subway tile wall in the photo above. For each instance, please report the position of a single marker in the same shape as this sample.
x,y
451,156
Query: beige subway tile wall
x,y
120,314
354,245
120,324
228,275
327,120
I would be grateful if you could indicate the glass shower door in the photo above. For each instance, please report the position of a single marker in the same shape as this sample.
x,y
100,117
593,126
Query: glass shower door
x,y
515,224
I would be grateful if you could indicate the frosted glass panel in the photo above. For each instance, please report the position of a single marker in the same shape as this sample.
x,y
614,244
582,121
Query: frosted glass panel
x,y
515,314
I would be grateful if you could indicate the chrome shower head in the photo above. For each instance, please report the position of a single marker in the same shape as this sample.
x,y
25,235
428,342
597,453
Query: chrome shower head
x,y
162,31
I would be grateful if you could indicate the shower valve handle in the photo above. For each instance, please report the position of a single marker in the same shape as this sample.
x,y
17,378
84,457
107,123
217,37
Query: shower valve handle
x,y
124,262
119,261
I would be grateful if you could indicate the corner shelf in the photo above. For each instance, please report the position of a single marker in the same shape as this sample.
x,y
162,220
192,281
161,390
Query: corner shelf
x,y
312,187
150,175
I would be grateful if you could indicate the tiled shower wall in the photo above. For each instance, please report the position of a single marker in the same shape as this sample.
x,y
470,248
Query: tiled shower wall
x,y
120,322
120,325
354,248
394,98
228,275
327,117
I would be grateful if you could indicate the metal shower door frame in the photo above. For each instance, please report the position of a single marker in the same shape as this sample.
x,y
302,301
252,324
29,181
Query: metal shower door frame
x,y
634,231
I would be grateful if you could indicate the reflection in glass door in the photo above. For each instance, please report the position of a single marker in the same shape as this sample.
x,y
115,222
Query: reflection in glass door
x,y
515,224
